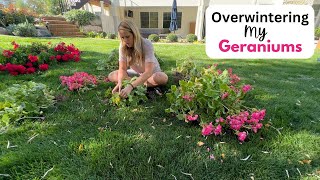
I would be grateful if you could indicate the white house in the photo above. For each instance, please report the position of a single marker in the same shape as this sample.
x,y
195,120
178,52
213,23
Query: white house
x,y
153,17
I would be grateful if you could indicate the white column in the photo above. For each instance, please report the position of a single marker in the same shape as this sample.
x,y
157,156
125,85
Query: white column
x,y
200,18
316,24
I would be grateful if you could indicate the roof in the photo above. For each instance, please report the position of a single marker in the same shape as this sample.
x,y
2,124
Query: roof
x,y
158,3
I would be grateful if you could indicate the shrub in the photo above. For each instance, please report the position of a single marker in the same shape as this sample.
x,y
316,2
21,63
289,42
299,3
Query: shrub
x,y
11,15
191,38
80,16
111,36
91,34
317,32
11,28
25,29
103,35
172,38
153,37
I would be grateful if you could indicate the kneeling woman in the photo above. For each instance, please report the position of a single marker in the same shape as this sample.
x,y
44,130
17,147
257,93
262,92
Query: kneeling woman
x,y
137,53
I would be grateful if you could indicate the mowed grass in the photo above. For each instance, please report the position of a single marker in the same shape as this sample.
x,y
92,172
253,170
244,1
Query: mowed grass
x,y
146,143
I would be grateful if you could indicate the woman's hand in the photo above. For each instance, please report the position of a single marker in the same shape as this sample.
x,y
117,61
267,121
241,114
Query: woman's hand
x,y
126,91
117,89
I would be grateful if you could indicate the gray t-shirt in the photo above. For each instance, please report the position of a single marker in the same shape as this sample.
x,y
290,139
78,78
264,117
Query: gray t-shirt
x,y
148,57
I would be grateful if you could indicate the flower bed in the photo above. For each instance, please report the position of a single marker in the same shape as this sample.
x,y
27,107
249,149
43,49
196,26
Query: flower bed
x,y
28,59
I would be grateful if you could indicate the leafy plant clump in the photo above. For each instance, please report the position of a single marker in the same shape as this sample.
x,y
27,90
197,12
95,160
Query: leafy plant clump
x,y
25,29
191,38
111,36
137,95
21,101
80,16
172,38
154,37
213,98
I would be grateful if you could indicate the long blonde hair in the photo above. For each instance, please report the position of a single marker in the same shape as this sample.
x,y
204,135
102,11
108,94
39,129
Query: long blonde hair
x,y
134,54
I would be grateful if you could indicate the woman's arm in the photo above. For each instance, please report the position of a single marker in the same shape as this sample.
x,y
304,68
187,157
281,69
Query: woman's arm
x,y
122,73
140,80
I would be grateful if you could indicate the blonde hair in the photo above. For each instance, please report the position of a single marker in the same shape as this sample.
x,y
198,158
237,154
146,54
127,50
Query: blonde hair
x,y
134,54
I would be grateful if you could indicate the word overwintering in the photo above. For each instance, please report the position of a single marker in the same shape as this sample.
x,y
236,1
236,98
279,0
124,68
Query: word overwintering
x,y
262,18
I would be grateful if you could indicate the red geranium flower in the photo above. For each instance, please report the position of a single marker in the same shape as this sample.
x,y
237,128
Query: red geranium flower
x,y
33,58
7,53
2,67
30,70
58,57
43,67
29,64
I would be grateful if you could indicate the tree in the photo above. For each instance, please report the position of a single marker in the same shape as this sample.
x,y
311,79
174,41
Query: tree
x,y
49,7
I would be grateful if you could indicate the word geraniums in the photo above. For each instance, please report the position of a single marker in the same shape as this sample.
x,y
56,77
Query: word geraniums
x,y
213,98
79,81
27,59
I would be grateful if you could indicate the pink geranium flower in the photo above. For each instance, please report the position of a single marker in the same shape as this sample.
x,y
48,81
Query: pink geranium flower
x,y
207,129
187,98
224,95
242,136
217,130
191,117
246,88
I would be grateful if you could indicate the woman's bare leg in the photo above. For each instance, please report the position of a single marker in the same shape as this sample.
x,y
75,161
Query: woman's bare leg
x,y
113,76
157,79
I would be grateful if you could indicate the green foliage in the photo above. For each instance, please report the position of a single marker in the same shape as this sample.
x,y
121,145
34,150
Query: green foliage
x,y
91,34
10,28
188,69
80,16
103,35
15,17
201,93
23,101
317,32
191,38
154,37
25,29
137,95
110,63
111,36
172,38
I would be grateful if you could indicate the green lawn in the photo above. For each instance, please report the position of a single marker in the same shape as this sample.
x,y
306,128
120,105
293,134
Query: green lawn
x,y
147,143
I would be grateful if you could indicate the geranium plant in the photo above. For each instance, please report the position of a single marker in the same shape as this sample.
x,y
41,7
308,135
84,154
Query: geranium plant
x,y
27,59
79,81
138,94
24,101
207,94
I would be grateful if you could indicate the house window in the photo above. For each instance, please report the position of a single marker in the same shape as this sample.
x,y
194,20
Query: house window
x,y
149,19
167,19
